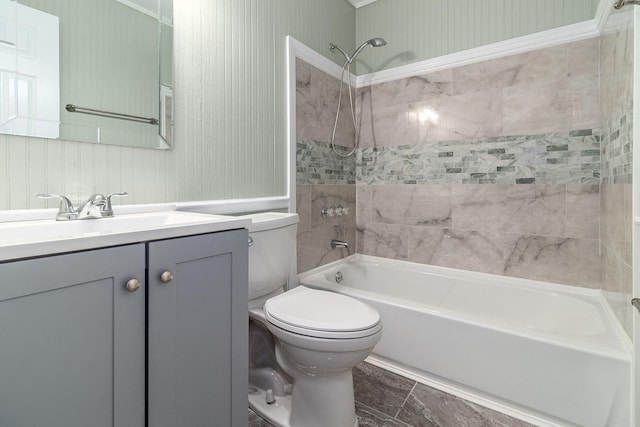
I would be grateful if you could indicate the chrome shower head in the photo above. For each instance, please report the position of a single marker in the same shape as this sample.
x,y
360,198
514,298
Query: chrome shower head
x,y
375,42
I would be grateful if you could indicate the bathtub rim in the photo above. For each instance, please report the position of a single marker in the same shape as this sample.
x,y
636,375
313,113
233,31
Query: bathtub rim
x,y
623,352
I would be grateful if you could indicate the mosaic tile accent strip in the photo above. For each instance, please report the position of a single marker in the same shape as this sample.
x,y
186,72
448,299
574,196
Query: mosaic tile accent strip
x,y
617,143
316,163
555,158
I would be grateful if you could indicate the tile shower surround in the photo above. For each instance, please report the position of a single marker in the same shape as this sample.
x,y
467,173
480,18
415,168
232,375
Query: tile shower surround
x,y
616,99
542,232
522,203
546,231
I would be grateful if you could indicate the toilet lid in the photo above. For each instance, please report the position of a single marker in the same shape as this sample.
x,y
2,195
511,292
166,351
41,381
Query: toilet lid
x,y
319,313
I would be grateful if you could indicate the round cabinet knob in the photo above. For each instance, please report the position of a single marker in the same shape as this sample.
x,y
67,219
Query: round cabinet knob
x,y
166,277
132,285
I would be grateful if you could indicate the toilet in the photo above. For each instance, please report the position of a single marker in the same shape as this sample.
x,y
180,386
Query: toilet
x,y
303,342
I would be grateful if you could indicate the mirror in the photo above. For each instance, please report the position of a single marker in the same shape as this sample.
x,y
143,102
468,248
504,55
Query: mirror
x,y
95,71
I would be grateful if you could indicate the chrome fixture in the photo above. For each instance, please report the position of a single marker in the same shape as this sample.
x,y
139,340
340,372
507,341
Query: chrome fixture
x,y
374,42
621,3
339,244
339,277
97,206
636,303
333,211
75,109
65,211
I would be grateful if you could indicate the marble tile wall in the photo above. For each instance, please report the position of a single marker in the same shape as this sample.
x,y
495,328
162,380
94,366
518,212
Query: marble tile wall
x,y
548,90
491,167
616,97
543,232
564,157
323,178
317,164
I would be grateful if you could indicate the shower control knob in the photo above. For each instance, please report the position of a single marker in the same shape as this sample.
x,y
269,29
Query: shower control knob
x,y
328,212
166,277
339,210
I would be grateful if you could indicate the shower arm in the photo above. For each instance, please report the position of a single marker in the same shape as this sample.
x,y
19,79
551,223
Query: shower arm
x,y
332,47
359,49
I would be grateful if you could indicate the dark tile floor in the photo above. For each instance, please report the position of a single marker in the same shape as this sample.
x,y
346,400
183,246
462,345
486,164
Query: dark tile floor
x,y
385,399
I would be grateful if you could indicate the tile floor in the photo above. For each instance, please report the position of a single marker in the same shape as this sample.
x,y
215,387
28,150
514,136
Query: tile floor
x,y
385,399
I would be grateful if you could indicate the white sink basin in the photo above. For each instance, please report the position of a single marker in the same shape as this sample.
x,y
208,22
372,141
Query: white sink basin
x,y
23,239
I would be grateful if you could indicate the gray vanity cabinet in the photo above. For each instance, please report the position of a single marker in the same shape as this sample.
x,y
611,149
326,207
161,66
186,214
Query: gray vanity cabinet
x,y
197,331
72,340
73,331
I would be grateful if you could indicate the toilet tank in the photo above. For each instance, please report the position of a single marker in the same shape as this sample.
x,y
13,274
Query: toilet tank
x,y
272,255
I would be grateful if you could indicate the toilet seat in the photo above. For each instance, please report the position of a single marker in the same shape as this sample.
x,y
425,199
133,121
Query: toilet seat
x,y
321,314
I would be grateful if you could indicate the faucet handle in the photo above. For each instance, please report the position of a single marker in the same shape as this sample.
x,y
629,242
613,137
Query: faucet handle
x,y
65,211
107,209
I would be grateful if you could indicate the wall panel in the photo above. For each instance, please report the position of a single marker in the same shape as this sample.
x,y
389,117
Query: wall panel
x,y
230,122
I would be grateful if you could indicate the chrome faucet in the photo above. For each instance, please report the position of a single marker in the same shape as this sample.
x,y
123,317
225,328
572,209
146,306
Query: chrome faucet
x,y
339,244
97,206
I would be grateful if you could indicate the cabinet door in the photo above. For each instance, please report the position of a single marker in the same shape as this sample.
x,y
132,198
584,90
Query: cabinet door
x,y
72,340
197,354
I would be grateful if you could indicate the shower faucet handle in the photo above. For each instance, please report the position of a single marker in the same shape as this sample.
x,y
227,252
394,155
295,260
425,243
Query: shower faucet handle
x,y
328,212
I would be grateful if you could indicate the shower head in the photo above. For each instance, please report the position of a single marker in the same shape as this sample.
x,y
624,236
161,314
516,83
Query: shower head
x,y
375,42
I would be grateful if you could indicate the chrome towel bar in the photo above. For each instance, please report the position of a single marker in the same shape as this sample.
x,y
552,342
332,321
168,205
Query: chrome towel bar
x,y
75,109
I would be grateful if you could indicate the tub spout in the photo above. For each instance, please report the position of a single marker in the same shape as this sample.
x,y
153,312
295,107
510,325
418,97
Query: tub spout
x,y
339,244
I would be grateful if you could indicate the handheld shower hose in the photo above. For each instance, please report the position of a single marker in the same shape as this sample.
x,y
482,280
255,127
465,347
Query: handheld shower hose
x,y
375,42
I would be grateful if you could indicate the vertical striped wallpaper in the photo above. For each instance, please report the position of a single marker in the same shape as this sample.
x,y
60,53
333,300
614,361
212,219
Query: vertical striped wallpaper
x,y
230,123
421,29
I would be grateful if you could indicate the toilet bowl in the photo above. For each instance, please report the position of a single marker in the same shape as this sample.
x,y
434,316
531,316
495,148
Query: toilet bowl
x,y
304,342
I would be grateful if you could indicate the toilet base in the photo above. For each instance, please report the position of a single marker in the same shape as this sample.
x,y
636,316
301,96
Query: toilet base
x,y
277,413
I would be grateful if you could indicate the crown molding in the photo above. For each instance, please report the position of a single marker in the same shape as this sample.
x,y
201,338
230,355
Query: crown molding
x,y
540,40
544,39
605,7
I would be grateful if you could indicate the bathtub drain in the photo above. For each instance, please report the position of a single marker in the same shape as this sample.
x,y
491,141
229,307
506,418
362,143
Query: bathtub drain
x,y
338,277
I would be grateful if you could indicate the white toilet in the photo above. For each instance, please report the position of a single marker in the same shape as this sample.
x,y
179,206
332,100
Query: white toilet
x,y
303,343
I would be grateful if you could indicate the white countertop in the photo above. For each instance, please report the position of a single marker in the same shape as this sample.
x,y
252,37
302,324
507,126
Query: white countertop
x,y
37,237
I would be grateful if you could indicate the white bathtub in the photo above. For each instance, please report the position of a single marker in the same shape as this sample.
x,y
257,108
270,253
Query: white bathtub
x,y
549,354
